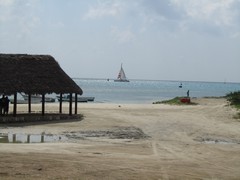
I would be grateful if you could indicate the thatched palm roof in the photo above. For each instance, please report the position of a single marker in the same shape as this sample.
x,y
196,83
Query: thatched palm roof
x,y
34,74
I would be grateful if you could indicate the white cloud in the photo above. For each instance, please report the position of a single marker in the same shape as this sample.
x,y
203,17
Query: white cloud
x,y
103,9
5,9
20,15
122,36
6,2
213,17
217,12
202,16
235,35
165,9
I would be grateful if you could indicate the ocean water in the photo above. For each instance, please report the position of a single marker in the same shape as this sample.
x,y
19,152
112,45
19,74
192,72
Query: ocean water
x,y
148,91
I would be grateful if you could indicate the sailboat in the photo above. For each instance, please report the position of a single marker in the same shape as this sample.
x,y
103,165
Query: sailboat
x,y
121,76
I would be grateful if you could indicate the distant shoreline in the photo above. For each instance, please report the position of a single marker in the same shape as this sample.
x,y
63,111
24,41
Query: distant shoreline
x,y
183,81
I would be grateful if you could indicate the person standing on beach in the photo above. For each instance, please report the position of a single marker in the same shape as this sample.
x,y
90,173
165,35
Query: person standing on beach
x,y
6,105
188,93
1,106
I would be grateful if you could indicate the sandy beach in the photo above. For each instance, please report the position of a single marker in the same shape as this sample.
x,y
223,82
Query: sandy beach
x,y
129,141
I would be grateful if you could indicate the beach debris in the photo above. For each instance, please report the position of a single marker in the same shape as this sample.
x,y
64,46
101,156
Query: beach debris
x,y
115,133
185,100
216,140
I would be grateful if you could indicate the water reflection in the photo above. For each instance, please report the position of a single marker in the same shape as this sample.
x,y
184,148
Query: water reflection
x,y
31,138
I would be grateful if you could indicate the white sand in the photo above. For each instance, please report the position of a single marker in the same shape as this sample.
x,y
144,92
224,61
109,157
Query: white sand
x,y
184,142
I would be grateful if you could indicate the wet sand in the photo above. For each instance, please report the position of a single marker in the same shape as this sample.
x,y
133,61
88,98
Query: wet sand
x,y
129,141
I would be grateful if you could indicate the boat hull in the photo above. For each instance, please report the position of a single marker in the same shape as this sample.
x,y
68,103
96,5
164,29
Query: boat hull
x,y
79,99
37,98
121,80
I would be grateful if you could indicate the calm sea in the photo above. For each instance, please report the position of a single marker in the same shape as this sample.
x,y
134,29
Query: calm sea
x,y
148,91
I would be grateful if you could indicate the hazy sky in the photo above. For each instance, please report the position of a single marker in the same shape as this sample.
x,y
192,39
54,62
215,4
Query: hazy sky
x,y
197,40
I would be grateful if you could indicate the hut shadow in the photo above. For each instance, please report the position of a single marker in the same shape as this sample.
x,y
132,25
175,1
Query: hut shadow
x,y
37,119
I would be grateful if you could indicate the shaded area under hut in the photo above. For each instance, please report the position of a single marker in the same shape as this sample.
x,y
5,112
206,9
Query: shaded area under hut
x,y
35,75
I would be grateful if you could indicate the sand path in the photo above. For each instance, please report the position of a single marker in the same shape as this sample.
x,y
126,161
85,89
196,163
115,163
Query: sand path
x,y
131,142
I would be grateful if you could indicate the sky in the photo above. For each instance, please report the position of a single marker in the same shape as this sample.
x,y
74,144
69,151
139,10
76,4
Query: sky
x,y
185,40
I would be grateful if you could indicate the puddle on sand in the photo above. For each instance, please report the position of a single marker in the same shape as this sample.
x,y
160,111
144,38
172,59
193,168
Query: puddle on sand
x,y
31,138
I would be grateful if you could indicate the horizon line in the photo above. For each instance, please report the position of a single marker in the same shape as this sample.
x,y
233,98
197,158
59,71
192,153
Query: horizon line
x,y
225,82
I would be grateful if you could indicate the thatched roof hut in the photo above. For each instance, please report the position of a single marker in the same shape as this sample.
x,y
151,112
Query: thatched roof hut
x,y
34,74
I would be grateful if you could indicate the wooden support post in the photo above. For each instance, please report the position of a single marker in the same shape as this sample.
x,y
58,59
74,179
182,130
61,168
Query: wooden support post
x,y
29,103
28,138
42,138
60,103
43,104
14,138
76,102
15,105
70,104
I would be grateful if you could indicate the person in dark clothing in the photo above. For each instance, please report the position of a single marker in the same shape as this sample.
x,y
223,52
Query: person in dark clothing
x,y
1,106
188,93
6,105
